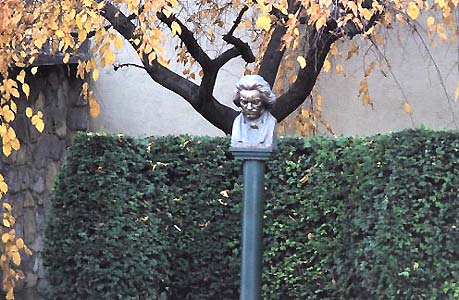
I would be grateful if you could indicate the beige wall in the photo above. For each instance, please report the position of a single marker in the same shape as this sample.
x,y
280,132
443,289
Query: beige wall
x,y
132,103
419,81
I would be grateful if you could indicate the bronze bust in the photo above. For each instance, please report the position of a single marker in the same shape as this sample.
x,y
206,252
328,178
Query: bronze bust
x,y
255,126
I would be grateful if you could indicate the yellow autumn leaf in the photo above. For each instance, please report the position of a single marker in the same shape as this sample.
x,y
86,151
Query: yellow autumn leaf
x,y
302,61
14,92
379,38
327,65
109,57
94,108
15,144
407,107
21,76
334,50
352,50
26,89
367,14
7,149
11,133
95,74
430,21
304,179
339,69
35,119
412,10
366,99
167,11
40,125
20,243
10,294
369,69
456,93
16,258
28,112
6,223
264,22
176,29
59,33
8,115
321,22
10,83
163,62
34,70
6,205
5,237
66,58
38,43
353,7
224,193
118,42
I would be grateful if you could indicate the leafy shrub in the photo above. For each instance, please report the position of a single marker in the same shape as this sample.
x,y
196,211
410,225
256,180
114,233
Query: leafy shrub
x,y
345,218
103,243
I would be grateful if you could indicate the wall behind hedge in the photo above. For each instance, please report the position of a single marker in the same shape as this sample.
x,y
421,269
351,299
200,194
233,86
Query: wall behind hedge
x,y
346,218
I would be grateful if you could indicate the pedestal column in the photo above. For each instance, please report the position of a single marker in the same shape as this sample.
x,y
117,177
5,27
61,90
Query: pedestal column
x,y
254,160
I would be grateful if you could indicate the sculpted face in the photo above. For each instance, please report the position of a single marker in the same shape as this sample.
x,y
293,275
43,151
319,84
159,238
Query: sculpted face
x,y
251,103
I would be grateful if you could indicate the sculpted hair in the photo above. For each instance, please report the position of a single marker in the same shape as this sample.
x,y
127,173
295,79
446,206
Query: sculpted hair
x,y
255,82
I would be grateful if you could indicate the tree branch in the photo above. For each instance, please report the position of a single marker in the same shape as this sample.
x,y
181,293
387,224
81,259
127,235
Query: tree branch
x,y
216,113
240,47
119,21
186,36
319,46
243,48
226,56
238,20
273,55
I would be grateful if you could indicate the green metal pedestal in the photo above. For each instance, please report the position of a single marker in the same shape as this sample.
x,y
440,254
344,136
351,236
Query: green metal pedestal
x,y
252,219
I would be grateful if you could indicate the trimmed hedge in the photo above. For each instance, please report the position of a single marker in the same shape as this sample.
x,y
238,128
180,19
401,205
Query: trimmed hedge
x,y
346,218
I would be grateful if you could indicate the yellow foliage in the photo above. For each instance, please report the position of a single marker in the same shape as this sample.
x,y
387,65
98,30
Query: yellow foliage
x,y
407,107
95,74
37,121
26,89
176,29
94,108
412,10
302,61
6,223
327,65
352,50
456,93
28,112
264,22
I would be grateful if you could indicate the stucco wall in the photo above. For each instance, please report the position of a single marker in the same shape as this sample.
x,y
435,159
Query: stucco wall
x,y
417,75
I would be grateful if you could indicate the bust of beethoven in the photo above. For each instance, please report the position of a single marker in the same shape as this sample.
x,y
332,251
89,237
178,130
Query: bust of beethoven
x,y
254,127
